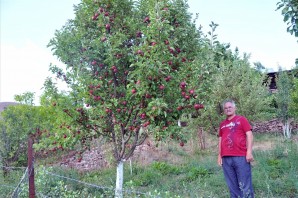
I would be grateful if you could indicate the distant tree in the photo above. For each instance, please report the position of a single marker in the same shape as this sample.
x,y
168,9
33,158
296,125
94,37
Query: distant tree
x,y
16,123
234,78
283,100
26,98
259,67
130,66
246,87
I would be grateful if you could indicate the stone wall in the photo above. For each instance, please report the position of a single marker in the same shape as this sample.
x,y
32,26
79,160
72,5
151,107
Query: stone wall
x,y
271,126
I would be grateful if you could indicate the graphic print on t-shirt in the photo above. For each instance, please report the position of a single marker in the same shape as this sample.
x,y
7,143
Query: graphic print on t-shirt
x,y
229,142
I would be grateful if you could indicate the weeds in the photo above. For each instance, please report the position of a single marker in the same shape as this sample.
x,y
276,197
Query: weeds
x,y
274,175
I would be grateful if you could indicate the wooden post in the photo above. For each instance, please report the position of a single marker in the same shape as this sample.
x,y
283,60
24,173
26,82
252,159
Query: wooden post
x,y
31,168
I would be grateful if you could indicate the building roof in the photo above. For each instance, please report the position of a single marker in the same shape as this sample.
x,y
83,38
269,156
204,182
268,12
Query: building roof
x,y
4,105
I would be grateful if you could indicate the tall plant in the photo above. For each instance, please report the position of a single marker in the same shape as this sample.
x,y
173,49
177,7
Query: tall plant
x,y
283,99
294,99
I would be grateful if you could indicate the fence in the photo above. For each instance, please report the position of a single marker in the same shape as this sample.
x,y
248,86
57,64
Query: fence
x,y
45,182
51,184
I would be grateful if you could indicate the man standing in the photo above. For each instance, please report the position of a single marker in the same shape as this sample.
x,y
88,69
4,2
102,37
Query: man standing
x,y
235,152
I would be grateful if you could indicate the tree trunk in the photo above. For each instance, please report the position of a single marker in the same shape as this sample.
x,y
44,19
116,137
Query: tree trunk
x,y
202,139
31,168
119,180
287,129
5,169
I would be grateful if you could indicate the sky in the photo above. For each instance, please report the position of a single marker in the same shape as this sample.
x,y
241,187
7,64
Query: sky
x,y
26,28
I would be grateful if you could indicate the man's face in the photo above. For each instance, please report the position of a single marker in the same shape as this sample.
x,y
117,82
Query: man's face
x,y
229,109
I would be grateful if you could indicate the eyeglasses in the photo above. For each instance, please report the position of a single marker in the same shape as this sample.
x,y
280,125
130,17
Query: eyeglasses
x,y
226,108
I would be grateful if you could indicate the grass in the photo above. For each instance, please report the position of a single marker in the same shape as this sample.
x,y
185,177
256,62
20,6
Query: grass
x,y
196,175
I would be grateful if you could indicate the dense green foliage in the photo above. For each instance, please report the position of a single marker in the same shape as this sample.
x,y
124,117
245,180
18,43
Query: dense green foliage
x,y
294,98
16,124
283,96
289,9
128,65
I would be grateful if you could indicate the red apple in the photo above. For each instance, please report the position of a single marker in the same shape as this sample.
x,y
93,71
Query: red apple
x,y
140,52
196,106
182,85
179,108
153,43
101,10
168,78
146,20
95,16
148,95
146,124
103,39
143,116
138,34
161,87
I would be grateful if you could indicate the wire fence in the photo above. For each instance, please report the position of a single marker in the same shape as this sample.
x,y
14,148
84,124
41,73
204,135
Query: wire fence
x,y
48,183
11,178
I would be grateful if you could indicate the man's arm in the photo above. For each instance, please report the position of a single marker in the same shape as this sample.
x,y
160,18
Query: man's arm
x,y
249,143
219,159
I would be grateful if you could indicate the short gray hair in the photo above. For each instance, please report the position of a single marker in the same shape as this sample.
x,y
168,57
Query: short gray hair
x,y
230,101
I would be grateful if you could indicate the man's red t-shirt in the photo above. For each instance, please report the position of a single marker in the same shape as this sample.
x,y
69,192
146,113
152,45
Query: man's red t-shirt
x,y
233,136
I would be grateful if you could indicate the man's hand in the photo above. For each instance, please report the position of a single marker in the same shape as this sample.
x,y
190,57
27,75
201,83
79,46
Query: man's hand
x,y
249,157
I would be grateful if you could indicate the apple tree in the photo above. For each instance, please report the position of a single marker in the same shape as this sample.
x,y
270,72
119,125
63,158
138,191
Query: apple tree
x,y
132,68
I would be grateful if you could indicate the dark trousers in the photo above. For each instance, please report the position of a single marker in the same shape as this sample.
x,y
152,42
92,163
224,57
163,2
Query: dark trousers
x,y
237,172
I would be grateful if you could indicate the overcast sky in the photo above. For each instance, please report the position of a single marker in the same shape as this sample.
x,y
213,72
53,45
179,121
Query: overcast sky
x,y
28,25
